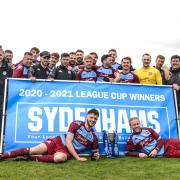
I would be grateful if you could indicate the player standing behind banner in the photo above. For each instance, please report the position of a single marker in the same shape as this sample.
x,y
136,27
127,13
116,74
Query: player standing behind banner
x,y
87,73
126,76
147,74
79,137
145,142
106,73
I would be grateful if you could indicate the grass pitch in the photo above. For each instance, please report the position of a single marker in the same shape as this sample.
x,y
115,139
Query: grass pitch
x,y
129,168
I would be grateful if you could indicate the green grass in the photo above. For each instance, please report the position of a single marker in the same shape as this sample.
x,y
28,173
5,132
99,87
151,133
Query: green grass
x,y
122,168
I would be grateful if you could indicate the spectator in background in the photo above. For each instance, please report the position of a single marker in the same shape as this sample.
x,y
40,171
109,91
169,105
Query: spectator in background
x,y
147,74
72,62
174,78
35,52
79,57
126,76
106,73
87,74
113,54
95,57
54,59
41,70
5,72
159,64
61,72
22,69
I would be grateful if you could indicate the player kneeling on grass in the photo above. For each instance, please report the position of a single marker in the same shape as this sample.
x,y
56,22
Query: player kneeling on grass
x,y
145,142
80,136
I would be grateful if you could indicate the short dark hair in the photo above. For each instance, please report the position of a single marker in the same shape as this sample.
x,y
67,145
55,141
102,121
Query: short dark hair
x,y
127,58
72,53
175,57
93,111
105,56
55,54
64,55
94,53
28,53
112,50
146,54
160,57
79,50
8,51
36,49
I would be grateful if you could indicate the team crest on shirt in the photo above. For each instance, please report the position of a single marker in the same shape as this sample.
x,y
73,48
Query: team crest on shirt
x,y
4,73
149,73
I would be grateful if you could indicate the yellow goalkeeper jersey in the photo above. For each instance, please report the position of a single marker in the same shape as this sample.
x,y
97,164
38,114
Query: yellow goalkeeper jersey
x,y
149,76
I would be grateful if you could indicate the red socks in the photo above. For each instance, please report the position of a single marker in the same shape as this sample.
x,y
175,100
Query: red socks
x,y
25,151
15,153
44,158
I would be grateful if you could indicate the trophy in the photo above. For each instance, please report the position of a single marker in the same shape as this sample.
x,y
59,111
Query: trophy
x,y
110,143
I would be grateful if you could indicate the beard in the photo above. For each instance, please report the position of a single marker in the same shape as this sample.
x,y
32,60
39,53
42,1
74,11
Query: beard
x,y
79,59
90,123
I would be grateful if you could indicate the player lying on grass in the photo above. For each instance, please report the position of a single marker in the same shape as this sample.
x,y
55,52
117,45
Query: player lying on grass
x,y
80,136
145,142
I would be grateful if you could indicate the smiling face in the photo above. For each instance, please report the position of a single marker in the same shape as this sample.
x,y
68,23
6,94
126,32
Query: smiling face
x,y
91,119
159,62
35,54
65,61
27,60
135,125
146,60
79,56
175,63
126,64
53,60
44,60
113,54
88,62
72,59
8,56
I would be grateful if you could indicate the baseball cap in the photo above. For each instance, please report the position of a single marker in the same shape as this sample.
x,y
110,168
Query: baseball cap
x,y
45,54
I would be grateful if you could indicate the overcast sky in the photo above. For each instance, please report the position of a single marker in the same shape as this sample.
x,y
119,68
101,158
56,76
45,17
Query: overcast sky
x,y
132,27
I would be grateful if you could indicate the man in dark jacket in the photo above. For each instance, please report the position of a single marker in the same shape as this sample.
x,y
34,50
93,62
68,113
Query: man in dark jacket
x,y
62,72
174,78
5,72
41,70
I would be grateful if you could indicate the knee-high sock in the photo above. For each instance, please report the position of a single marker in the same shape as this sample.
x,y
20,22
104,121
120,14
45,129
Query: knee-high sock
x,y
15,153
43,158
